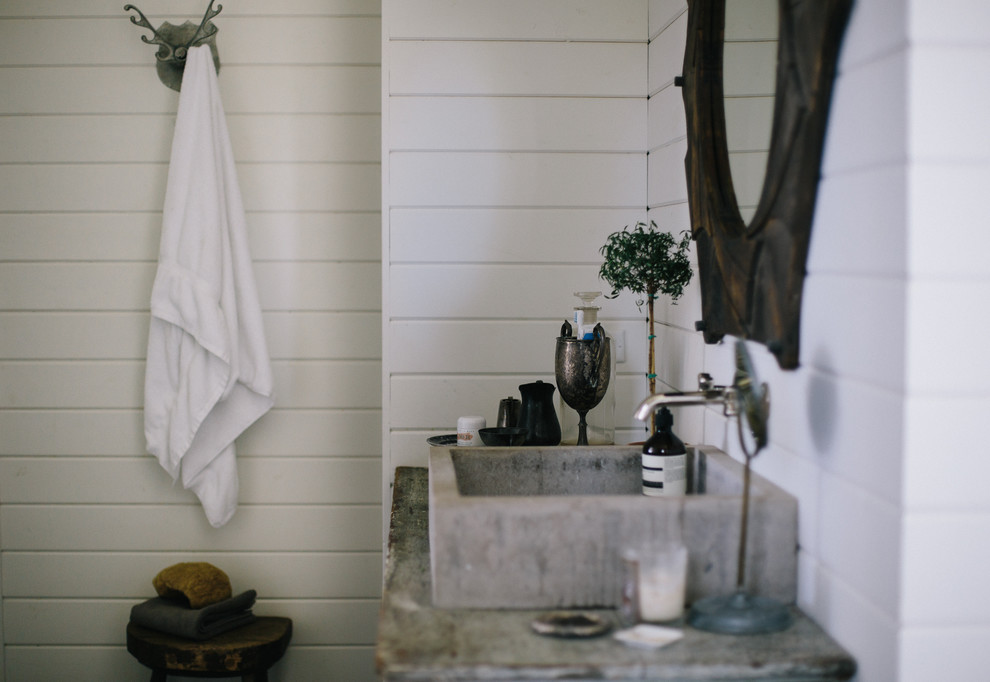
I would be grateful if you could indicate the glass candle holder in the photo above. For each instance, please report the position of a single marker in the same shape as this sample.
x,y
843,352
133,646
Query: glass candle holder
x,y
660,583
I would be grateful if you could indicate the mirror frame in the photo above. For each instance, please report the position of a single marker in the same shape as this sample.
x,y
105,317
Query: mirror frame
x,y
752,276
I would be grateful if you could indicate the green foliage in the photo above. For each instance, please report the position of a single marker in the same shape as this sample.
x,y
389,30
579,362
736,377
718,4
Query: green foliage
x,y
646,261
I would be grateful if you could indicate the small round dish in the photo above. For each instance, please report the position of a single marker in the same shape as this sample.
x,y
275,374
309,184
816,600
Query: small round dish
x,y
504,435
448,439
570,625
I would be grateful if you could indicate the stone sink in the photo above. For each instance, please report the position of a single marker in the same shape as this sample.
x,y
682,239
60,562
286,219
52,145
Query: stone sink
x,y
544,527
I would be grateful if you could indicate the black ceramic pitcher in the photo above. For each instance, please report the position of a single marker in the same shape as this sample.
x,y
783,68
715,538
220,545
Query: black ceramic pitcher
x,y
538,415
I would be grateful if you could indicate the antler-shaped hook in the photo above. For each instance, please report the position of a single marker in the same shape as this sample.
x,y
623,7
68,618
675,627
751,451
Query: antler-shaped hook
x,y
197,38
165,51
175,42
168,51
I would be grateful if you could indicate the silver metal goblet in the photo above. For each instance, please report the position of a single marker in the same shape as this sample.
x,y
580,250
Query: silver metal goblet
x,y
582,369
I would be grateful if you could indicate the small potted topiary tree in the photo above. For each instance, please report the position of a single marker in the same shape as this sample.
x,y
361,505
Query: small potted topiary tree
x,y
647,262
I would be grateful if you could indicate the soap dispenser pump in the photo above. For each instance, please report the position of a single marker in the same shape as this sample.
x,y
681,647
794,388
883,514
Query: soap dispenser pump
x,y
664,459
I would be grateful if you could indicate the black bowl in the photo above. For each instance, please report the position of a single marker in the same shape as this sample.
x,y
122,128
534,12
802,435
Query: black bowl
x,y
503,436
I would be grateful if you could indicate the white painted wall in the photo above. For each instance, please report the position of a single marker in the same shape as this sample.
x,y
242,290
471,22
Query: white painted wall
x,y
515,143
515,140
888,562
86,518
879,432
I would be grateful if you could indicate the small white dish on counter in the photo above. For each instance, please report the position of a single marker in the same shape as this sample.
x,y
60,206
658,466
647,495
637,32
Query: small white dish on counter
x,y
648,636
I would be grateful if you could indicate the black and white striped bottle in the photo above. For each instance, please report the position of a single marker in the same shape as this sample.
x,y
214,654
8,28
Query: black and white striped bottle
x,y
664,459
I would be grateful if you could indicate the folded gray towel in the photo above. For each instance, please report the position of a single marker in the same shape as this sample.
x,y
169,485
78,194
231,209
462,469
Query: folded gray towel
x,y
178,619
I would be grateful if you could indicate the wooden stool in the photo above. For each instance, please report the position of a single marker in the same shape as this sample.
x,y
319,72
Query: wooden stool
x,y
248,651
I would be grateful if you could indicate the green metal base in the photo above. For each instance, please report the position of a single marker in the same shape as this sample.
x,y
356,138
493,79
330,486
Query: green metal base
x,y
739,614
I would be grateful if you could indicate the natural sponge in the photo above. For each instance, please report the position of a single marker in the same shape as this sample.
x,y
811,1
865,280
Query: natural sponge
x,y
198,582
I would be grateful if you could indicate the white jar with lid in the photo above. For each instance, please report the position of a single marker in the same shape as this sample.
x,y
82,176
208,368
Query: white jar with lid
x,y
467,431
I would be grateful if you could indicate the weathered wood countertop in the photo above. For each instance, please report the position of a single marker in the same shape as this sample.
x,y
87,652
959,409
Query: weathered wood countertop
x,y
419,642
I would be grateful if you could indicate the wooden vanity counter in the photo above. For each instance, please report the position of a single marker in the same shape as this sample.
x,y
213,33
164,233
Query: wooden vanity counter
x,y
418,642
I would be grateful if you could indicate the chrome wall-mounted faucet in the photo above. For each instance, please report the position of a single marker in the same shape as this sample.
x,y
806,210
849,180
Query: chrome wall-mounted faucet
x,y
745,398
708,393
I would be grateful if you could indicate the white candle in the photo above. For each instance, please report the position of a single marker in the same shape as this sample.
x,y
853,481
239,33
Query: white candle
x,y
662,584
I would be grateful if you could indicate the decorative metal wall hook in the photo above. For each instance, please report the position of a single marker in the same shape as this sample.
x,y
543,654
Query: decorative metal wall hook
x,y
174,43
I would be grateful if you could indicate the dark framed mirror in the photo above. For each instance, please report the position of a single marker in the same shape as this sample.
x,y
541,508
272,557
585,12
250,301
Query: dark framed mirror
x,y
752,272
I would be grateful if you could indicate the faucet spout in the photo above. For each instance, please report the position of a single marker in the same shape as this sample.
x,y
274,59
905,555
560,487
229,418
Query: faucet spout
x,y
707,394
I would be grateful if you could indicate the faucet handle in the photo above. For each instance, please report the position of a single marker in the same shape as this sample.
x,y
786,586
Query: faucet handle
x,y
705,382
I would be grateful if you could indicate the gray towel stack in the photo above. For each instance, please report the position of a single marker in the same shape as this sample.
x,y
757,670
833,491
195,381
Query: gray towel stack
x,y
176,618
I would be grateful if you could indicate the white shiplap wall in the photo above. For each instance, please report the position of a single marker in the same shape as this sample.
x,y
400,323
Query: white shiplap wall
x,y
515,143
86,518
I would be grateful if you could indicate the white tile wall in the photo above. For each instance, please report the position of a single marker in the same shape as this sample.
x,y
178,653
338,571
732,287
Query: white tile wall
x,y
950,482
947,239
876,433
870,121
866,212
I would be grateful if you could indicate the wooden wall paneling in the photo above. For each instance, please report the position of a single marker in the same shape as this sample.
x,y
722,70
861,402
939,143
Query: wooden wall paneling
x,y
310,187
747,122
55,286
128,575
329,621
104,236
115,384
114,40
330,432
324,335
64,662
81,187
316,89
293,432
182,528
85,90
29,335
343,384
489,346
667,185
666,117
108,9
122,138
351,286
749,68
516,124
500,291
518,179
505,235
315,235
517,144
327,39
87,131
663,13
506,68
431,404
667,50
75,432
621,20
347,663
99,621
140,480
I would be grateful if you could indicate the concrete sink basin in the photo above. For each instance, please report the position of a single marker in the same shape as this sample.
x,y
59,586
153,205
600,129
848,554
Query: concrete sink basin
x,y
544,527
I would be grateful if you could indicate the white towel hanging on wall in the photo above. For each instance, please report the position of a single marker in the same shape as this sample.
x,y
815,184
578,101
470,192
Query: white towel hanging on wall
x,y
208,375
